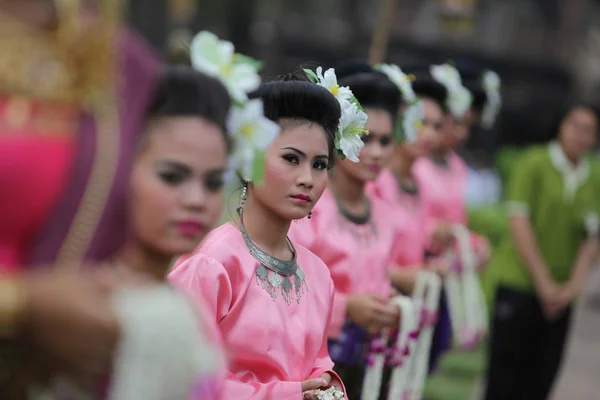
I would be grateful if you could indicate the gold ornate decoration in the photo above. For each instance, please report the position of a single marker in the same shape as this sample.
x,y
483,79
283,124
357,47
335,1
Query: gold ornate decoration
x,y
72,65
98,62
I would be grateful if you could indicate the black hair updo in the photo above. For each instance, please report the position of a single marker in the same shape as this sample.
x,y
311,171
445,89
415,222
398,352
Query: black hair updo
x,y
293,97
374,90
185,92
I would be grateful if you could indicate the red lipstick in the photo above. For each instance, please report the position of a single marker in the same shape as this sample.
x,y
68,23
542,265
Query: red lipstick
x,y
190,228
302,198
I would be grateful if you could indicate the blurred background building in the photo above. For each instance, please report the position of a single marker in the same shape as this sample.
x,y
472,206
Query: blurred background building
x,y
547,51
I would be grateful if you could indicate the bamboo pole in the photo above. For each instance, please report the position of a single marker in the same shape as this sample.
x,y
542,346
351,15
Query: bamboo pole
x,y
381,31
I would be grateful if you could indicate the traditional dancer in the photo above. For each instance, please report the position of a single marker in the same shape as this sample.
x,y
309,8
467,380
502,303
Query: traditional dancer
x,y
442,181
355,235
176,198
418,130
270,297
543,266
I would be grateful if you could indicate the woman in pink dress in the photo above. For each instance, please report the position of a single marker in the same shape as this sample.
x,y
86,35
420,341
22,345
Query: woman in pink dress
x,y
418,130
355,234
442,182
270,297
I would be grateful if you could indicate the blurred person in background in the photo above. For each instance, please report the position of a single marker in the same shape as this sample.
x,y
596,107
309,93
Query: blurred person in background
x,y
483,184
442,179
67,138
418,130
175,198
542,267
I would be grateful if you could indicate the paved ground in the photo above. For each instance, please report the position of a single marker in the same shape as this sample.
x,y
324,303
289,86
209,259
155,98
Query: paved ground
x,y
580,376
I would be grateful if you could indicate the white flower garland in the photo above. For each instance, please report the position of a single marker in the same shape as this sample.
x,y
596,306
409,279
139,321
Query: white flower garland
x,y
348,141
466,301
427,296
251,131
374,372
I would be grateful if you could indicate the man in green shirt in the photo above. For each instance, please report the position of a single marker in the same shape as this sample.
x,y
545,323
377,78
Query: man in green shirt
x,y
553,204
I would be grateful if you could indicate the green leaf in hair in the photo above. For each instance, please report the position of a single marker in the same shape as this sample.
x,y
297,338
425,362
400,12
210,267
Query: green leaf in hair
x,y
311,75
258,168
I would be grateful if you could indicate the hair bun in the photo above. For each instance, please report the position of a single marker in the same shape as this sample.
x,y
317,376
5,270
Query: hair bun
x,y
290,77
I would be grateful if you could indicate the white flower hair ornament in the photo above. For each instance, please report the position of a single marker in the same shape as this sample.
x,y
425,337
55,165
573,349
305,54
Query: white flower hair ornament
x,y
413,116
251,132
400,79
412,120
459,97
348,137
491,85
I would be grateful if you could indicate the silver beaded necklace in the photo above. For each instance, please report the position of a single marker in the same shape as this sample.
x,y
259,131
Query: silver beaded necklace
x,y
273,274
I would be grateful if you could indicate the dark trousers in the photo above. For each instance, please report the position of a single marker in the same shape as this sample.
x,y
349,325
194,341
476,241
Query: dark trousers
x,y
526,349
442,335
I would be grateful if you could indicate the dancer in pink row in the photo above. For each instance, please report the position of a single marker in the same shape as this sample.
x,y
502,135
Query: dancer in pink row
x,y
270,297
418,130
355,234
442,177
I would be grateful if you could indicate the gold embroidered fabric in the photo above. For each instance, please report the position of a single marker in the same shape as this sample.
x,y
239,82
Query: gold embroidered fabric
x,y
73,64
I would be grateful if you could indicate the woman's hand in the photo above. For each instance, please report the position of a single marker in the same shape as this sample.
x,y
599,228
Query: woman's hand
x,y
324,382
439,266
442,237
484,253
372,313
70,318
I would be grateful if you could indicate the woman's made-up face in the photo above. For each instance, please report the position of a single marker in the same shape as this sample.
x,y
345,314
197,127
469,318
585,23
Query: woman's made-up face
x,y
578,132
295,170
377,151
176,184
456,131
429,135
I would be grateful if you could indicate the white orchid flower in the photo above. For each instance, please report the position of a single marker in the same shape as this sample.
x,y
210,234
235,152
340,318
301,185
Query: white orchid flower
x,y
252,133
351,128
328,80
216,58
400,79
412,121
459,97
460,100
446,74
491,85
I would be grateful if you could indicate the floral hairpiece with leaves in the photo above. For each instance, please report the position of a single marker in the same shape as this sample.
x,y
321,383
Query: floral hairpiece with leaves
x,y
348,138
252,133
491,85
459,97
413,116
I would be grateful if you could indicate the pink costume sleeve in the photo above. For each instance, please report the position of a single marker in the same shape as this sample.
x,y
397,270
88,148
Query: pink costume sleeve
x,y
307,233
213,293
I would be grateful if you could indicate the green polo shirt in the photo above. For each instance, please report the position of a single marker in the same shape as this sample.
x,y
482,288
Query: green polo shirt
x,y
561,201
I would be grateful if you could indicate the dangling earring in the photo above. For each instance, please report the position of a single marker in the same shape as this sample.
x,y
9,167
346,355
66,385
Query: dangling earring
x,y
243,197
309,214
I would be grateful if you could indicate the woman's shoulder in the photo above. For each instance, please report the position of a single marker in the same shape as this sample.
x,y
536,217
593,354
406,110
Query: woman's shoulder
x,y
310,262
221,246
